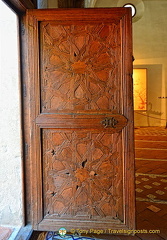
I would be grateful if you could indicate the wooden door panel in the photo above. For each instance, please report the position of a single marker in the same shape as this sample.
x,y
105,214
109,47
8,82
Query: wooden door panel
x,y
82,175
80,66
81,157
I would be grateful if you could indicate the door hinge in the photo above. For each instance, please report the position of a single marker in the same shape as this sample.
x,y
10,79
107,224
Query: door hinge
x,y
24,90
22,29
26,146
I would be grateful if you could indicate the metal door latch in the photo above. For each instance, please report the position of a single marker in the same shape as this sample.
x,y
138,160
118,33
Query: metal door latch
x,y
109,122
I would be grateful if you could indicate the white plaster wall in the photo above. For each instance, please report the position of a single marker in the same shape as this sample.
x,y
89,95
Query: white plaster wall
x,y
150,48
42,3
11,204
52,3
47,4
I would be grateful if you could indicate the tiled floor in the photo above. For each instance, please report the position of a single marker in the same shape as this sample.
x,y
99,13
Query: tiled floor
x,y
151,185
151,181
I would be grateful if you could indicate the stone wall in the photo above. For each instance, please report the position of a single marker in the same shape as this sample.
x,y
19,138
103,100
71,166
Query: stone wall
x,y
11,204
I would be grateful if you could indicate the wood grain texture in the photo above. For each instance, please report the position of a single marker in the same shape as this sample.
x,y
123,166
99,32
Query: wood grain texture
x,y
79,76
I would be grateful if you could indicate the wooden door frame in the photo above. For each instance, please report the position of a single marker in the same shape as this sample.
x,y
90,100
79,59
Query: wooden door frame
x,y
20,6
30,75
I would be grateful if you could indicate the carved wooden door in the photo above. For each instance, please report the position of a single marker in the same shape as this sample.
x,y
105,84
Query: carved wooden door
x,y
80,119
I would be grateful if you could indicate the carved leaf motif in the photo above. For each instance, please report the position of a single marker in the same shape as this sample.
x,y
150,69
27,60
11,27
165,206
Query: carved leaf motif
x,y
103,75
57,139
97,153
58,166
79,93
105,32
103,102
82,149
